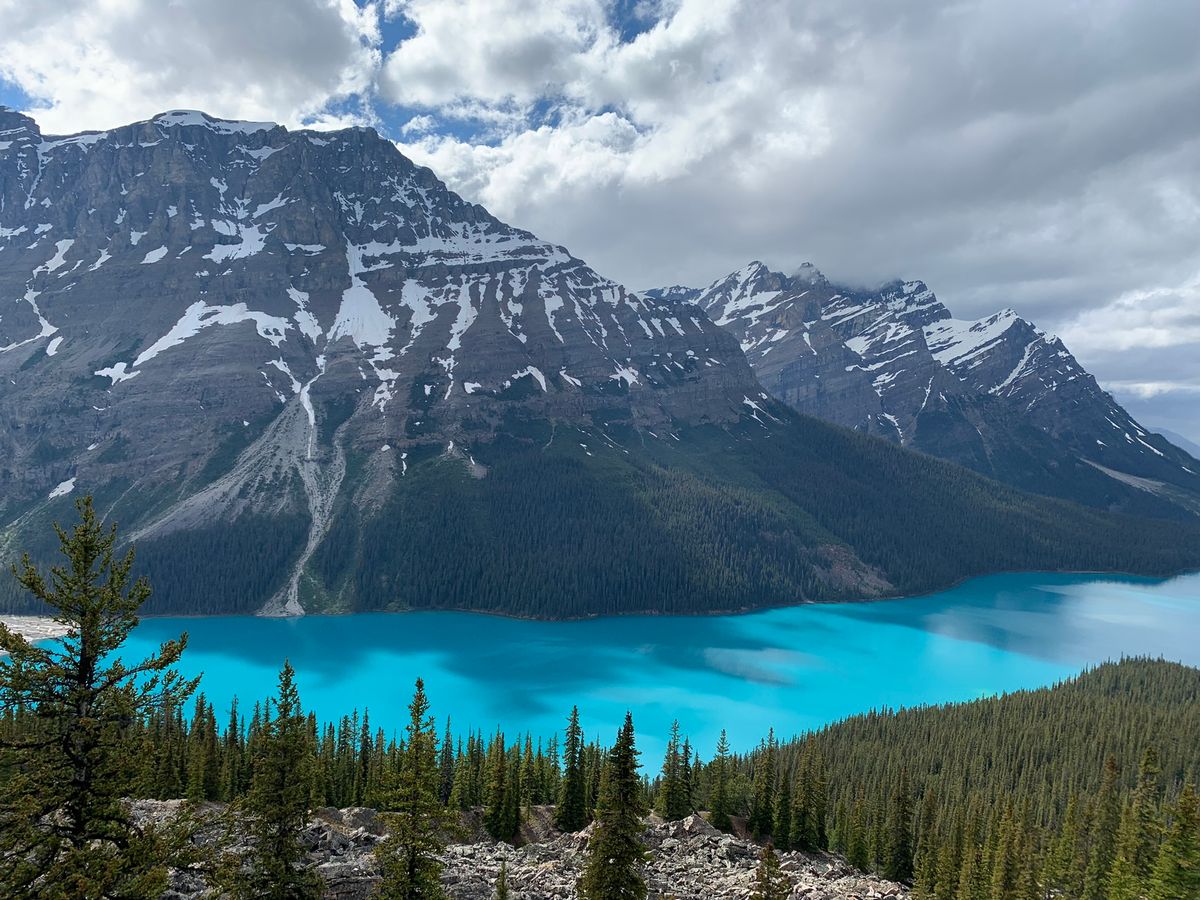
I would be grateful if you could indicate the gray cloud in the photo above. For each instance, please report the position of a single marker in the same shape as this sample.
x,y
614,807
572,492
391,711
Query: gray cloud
x,y
1037,155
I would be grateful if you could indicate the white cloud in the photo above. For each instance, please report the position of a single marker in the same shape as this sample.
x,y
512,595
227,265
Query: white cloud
x,y
1153,318
490,51
97,64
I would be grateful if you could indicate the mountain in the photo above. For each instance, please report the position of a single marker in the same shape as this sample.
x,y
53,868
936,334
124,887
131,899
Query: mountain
x,y
997,395
304,375
1178,440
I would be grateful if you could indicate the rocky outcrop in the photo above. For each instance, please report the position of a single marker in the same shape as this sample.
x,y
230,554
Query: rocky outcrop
x,y
998,395
687,860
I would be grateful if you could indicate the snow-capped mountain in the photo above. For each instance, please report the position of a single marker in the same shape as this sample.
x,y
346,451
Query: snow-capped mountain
x,y
304,375
998,395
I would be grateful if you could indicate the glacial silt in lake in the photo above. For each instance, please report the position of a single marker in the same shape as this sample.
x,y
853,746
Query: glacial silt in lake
x,y
792,668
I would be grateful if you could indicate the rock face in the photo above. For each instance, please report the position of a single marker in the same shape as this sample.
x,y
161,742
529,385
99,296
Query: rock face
x,y
688,860
997,395
202,318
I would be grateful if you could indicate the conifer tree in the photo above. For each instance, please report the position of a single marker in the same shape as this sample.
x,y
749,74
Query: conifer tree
x,y
571,814
446,766
502,882
1176,874
408,858
496,792
276,806
770,881
720,786
781,828
528,775
64,830
898,846
1102,838
613,869
762,809
1138,836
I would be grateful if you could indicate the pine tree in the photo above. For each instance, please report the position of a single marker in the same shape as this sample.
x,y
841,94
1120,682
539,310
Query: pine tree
x,y
408,858
64,830
502,882
1102,839
898,846
613,869
781,828
762,809
1138,836
571,814
720,789
770,881
276,806
674,789
446,766
857,848
497,793
1176,874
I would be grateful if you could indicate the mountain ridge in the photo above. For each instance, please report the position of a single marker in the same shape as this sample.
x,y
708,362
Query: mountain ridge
x,y
997,395
307,376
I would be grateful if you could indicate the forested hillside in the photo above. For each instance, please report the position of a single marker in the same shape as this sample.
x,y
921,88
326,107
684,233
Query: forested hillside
x,y
1083,790
569,522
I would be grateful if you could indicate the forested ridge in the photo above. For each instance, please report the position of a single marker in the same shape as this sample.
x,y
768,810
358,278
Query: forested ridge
x,y
571,522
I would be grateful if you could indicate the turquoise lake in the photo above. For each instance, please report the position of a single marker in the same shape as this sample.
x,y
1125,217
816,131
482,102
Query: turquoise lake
x,y
793,668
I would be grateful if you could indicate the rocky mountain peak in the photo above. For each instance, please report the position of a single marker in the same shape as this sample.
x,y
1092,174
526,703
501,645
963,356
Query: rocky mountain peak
x,y
304,297
997,394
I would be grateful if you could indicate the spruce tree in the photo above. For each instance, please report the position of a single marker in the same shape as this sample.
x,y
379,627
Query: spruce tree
x,y
770,881
762,810
781,828
571,814
276,807
720,787
64,830
496,816
1176,874
858,852
1138,836
613,868
408,857
1102,838
502,882
898,843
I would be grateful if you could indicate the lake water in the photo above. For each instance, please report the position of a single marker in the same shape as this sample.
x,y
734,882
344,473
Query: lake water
x,y
792,668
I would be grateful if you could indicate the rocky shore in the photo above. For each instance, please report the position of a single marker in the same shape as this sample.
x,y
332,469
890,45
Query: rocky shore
x,y
34,628
688,860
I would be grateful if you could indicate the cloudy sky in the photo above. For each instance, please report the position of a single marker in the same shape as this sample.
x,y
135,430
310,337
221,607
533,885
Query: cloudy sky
x,y
1043,156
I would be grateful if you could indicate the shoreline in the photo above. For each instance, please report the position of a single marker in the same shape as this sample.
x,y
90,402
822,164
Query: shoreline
x,y
700,614
33,628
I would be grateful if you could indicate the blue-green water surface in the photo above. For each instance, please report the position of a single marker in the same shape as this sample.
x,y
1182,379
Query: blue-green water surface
x,y
793,668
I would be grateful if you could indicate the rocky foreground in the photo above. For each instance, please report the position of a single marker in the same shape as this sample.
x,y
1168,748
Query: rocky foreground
x,y
688,860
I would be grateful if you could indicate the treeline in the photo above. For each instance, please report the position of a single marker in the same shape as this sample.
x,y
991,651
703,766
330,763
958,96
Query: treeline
x,y
1083,791
721,520
1009,797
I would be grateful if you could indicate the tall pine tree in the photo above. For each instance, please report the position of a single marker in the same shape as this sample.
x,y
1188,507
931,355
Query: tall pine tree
x,y
408,858
613,869
64,830
276,806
